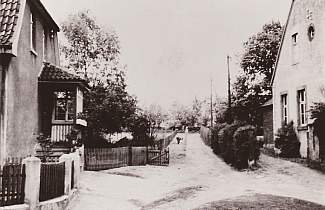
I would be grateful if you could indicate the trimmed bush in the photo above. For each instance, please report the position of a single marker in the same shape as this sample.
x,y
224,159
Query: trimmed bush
x,y
287,142
215,140
225,142
245,147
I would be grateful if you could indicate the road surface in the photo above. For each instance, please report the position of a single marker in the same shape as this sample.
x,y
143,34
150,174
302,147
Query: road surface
x,y
194,178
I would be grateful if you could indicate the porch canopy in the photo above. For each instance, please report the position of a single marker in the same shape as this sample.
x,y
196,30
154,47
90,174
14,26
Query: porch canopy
x,y
61,101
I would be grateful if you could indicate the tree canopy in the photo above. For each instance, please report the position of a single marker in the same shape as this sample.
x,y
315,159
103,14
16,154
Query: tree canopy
x,y
93,53
252,87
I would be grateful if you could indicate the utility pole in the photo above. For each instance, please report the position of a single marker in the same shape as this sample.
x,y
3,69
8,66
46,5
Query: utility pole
x,y
229,93
211,105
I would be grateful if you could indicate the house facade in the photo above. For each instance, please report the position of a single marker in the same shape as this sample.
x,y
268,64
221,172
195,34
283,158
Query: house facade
x,y
299,78
28,54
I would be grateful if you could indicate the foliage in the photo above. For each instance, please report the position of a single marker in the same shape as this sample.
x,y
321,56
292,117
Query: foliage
x,y
74,138
155,116
108,109
215,137
252,87
140,128
91,52
245,147
187,115
287,141
225,141
318,113
46,146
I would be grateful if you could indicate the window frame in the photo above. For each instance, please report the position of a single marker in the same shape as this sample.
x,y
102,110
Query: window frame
x,y
311,32
294,39
284,108
66,120
302,107
33,33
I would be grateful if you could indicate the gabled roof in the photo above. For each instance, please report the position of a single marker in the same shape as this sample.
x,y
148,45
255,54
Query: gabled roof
x,y
11,15
52,73
9,10
281,44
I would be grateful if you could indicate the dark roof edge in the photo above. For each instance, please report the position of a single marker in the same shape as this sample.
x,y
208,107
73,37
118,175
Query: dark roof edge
x,y
47,15
281,44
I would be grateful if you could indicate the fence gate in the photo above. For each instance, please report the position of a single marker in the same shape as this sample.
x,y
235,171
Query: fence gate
x,y
12,180
52,180
158,157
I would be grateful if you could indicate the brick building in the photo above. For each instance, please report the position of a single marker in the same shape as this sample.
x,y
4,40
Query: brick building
x,y
299,78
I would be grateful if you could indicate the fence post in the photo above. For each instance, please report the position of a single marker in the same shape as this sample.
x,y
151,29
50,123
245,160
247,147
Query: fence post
x,y
67,176
76,159
130,156
147,154
32,182
81,153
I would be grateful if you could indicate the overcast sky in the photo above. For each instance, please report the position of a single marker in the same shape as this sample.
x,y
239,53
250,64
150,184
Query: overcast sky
x,y
173,47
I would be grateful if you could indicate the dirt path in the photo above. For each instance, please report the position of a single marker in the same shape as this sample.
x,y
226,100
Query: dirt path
x,y
195,177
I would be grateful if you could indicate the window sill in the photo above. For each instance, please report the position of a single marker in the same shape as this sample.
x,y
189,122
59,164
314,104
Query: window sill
x,y
62,122
33,52
302,128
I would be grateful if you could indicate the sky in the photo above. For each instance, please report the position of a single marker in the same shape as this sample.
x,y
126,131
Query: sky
x,y
173,48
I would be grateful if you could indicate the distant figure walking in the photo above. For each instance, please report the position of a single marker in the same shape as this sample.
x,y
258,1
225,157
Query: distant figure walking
x,y
178,139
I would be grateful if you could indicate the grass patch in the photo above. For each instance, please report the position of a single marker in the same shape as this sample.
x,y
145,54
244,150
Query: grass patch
x,y
261,201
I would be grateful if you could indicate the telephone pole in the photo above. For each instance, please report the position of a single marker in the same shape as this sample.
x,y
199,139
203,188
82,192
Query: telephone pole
x,y
229,93
211,100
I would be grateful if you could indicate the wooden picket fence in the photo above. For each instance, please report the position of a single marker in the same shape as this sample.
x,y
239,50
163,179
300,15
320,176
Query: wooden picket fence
x,y
158,157
139,156
106,158
12,182
52,180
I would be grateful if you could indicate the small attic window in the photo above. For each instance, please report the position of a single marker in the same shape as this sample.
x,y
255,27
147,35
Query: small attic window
x,y
294,39
33,32
311,32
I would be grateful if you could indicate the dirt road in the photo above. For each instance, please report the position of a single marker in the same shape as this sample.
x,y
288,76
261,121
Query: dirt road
x,y
195,177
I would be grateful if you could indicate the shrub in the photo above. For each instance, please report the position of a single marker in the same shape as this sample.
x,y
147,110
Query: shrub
x,y
225,142
287,142
215,140
245,146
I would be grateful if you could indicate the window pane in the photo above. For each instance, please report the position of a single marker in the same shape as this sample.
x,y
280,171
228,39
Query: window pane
x,y
64,107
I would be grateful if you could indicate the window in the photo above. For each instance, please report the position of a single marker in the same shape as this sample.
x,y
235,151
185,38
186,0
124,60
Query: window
x,y
79,106
33,32
302,107
64,106
284,108
295,39
44,45
311,32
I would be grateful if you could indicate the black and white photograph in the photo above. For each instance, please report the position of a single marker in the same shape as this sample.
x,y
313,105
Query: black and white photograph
x,y
162,105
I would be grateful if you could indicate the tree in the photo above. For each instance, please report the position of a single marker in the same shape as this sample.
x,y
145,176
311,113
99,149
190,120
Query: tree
x,y
252,87
91,52
156,116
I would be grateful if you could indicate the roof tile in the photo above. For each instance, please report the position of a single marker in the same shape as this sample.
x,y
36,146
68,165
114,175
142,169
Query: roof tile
x,y
8,18
54,73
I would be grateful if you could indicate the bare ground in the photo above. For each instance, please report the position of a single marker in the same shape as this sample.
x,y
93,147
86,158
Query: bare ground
x,y
195,178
